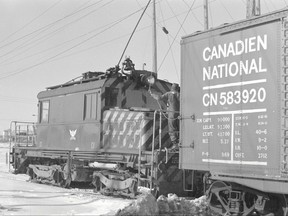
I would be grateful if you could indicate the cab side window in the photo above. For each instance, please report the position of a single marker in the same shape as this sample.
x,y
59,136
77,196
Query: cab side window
x,y
92,106
44,111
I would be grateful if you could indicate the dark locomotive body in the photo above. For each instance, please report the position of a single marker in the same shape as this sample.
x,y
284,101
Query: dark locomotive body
x,y
78,113
105,129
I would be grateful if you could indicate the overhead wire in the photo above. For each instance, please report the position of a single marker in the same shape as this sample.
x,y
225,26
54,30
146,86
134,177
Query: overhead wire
x,y
175,16
96,46
53,34
50,24
226,10
172,55
157,22
32,41
133,32
196,18
85,34
31,21
176,34
9,74
92,47
123,36
45,36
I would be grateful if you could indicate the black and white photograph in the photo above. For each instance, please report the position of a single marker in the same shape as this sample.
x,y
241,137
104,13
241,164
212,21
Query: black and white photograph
x,y
144,107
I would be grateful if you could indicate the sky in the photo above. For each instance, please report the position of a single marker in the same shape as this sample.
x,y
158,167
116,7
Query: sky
x,y
49,42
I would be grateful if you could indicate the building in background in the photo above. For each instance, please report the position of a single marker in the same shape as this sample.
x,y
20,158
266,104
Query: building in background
x,y
5,136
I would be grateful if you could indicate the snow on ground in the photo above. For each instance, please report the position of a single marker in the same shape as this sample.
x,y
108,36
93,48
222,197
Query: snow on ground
x,y
26,198
17,191
4,154
147,204
19,196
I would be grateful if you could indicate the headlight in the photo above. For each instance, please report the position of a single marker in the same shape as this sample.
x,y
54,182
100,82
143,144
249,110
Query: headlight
x,y
151,80
147,80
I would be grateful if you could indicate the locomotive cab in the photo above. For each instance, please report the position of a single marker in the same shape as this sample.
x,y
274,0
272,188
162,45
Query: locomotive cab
x,y
73,114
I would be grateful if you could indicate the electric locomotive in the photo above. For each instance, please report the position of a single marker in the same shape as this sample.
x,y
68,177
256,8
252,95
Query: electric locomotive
x,y
106,129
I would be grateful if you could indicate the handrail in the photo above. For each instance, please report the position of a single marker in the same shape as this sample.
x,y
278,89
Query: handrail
x,y
160,113
153,147
139,162
160,131
17,134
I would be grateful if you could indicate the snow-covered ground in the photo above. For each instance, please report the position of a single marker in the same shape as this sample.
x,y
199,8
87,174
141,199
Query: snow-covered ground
x,y
18,196
4,154
147,204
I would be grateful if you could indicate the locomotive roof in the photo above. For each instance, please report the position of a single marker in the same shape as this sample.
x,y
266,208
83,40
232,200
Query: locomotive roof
x,y
88,81
72,88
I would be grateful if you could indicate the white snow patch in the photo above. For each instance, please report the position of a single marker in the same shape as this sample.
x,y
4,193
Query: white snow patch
x,y
147,204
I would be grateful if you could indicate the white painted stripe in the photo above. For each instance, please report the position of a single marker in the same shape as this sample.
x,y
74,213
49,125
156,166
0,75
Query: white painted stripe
x,y
107,115
235,112
114,116
138,116
232,137
130,116
235,84
121,116
235,162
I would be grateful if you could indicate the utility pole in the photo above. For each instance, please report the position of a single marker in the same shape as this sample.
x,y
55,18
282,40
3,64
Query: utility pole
x,y
154,40
206,23
253,8
257,8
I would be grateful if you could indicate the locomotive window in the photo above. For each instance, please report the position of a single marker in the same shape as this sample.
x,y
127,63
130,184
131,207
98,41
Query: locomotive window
x,y
90,106
111,95
44,112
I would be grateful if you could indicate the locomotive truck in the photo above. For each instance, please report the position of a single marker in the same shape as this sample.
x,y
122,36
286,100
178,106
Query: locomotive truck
x,y
106,129
234,113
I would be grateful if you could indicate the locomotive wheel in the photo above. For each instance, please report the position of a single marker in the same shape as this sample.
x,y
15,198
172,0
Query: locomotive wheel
x,y
283,210
65,182
31,173
97,183
133,189
219,199
276,205
65,177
